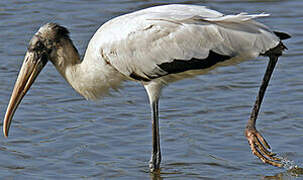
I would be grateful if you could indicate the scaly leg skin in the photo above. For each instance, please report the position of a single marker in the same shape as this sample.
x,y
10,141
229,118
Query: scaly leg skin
x,y
154,163
257,143
155,160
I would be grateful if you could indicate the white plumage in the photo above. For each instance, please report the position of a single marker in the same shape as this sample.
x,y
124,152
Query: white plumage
x,y
138,42
154,46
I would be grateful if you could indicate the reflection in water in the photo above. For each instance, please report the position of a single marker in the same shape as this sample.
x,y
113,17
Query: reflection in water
x,y
292,169
155,176
296,171
289,174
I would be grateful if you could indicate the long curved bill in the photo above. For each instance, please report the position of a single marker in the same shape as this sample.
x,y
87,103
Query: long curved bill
x,y
32,66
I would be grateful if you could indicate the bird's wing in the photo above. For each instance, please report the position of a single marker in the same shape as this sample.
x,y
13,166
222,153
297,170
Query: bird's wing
x,y
170,39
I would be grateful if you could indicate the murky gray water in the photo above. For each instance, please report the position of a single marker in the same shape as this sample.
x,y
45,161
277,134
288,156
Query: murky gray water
x,y
57,134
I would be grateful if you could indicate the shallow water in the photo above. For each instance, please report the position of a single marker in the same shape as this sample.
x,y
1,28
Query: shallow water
x,y
57,134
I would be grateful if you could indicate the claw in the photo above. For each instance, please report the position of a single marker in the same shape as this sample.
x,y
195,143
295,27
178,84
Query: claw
x,y
264,151
260,138
260,147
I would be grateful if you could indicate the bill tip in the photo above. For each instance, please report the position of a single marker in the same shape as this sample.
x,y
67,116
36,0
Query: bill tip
x,y
5,133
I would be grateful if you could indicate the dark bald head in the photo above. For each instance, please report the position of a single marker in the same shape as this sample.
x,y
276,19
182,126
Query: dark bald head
x,y
53,31
48,37
50,40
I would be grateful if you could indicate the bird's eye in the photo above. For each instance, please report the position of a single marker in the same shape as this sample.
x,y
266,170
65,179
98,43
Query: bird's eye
x,y
39,45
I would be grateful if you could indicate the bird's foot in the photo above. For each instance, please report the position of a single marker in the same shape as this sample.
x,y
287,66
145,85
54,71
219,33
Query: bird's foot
x,y
154,164
154,167
260,147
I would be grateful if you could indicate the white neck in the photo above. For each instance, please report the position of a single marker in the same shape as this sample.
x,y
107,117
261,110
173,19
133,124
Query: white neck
x,y
92,77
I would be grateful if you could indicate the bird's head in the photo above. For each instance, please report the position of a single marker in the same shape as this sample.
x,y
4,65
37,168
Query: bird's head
x,y
43,46
48,41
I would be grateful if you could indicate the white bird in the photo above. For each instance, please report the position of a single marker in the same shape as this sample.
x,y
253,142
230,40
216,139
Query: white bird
x,y
154,46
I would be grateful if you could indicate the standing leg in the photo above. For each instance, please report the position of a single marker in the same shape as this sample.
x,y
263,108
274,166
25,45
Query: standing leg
x,y
155,160
153,91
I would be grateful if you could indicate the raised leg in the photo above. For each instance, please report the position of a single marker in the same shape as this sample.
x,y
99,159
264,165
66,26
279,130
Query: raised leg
x,y
153,91
257,143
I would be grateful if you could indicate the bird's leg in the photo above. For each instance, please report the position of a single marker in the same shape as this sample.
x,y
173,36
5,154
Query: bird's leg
x,y
153,90
155,160
257,143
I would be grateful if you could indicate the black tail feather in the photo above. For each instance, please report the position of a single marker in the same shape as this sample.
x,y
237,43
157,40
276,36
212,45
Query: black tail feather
x,y
282,35
276,51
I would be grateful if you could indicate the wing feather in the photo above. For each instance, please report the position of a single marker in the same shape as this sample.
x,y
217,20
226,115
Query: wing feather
x,y
137,43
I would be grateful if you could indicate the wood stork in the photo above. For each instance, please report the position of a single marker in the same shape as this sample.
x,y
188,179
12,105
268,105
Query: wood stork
x,y
154,46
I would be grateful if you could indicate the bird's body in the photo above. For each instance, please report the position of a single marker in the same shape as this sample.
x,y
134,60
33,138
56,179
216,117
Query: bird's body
x,y
154,46
135,45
